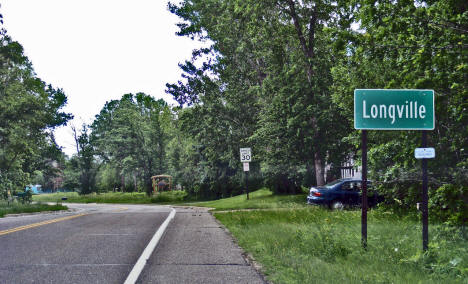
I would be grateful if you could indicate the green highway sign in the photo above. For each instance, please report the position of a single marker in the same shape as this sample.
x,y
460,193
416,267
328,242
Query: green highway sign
x,y
394,109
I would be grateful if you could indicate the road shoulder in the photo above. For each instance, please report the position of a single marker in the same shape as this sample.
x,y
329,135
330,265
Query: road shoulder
x,y
196,248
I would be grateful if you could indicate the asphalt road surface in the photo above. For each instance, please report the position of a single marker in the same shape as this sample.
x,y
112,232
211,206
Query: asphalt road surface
x,y
97,244
100,243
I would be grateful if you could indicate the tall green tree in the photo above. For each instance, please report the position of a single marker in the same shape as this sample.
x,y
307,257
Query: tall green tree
x,y
130,136
299,122
85,161
29,112
271,60
223,92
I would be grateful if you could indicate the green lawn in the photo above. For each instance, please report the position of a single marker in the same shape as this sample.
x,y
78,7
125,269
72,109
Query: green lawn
x,y
260,199
15,208
114,197
296,243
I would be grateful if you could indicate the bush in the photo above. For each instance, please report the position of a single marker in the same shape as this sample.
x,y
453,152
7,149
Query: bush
x,y
400,195
283,184
450,203
17,208
447,203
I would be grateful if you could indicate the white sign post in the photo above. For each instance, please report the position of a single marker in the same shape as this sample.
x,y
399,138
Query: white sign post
x,y
246,158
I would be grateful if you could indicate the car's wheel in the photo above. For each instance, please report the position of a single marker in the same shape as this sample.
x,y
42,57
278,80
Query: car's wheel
x,y
337,205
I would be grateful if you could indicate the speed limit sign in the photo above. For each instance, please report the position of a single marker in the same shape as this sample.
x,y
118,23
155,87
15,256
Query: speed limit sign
x,y
245,155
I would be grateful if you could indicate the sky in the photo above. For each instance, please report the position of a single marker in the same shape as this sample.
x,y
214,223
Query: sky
x,y
98,50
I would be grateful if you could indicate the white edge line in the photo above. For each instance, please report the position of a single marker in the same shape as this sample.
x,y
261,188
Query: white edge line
x,y
140,264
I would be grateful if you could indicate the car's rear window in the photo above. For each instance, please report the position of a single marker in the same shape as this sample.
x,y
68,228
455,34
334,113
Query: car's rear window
x,y
331,184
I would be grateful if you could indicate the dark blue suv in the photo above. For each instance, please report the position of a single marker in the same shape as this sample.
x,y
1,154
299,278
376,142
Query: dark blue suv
x,y
341,193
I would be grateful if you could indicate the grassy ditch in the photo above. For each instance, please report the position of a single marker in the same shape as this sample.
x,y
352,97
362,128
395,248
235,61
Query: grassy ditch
x,y
114,197
16,208
260,199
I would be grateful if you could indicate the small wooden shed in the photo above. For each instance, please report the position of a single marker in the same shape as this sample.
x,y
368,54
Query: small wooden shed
x,y
160,182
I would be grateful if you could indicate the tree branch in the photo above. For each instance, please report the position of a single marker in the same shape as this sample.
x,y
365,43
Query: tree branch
x,y
297,25
312,22
75,137
11,162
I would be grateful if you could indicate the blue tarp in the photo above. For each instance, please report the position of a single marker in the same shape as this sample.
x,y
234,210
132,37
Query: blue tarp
x,y
36,189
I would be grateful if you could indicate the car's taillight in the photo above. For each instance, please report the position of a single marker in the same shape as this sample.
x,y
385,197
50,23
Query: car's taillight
x,y
316,193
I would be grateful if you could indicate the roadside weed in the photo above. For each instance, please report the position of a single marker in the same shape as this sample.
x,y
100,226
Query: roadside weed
x,y
113,197
16,208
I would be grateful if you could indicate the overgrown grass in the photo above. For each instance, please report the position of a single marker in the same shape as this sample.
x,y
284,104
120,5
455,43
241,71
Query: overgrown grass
x,y
16,208
260,199
316,245
114,197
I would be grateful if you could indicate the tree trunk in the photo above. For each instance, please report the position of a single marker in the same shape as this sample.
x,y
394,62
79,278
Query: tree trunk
x,y
135,188
319,169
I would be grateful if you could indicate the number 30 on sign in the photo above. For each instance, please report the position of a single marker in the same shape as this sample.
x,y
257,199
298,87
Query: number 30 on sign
x,y
245,155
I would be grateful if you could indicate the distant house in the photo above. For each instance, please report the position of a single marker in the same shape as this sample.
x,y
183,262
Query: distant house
x,y
350,170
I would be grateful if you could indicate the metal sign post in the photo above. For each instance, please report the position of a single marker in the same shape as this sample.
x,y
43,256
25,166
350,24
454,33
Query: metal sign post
x,y
247,181
364,191
424,153
425,225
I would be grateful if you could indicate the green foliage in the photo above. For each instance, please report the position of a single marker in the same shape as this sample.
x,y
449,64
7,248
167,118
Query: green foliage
x,y
25,196
107,178
18,208
261,84
85,162
29,112
130,136
72,173
450,203
171,197
415,45
214,131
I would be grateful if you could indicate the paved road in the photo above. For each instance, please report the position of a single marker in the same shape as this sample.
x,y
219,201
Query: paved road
x,y
101,244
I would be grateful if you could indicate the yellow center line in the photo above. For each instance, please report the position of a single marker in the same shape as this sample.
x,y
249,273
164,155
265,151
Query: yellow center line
x,y
4,232
120,209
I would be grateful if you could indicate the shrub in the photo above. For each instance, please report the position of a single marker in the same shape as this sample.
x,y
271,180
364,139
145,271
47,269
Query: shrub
x,y
447,203
450,203
400,195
